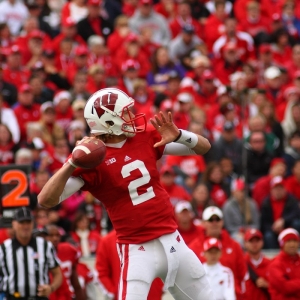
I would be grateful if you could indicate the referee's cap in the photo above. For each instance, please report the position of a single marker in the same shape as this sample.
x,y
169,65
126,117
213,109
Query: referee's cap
x,y
23,214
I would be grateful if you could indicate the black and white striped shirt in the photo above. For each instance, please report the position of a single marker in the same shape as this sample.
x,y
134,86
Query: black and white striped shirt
x,y
24,268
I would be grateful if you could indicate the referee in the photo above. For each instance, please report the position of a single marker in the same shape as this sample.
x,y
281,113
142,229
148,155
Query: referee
x,y
25,262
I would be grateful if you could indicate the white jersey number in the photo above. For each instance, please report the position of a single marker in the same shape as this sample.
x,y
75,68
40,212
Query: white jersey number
x,y
136,183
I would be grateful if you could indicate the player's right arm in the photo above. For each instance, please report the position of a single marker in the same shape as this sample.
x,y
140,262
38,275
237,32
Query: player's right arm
x,y
60,186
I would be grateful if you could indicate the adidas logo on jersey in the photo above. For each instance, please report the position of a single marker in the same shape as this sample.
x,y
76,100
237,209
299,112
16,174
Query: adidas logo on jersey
x,y
172,250
127,158
142,248
189,140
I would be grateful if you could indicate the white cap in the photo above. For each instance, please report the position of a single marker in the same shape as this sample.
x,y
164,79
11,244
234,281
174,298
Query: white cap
x,y
184,97
60,96
46,105
95,40
76,124
182,205
272,73
211,211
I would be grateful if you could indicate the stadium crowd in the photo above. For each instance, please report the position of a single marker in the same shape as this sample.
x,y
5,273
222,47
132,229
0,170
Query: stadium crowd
x,y
227,70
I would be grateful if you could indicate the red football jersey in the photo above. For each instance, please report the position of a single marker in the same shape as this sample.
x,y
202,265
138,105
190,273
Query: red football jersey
x,y
128,185
68,256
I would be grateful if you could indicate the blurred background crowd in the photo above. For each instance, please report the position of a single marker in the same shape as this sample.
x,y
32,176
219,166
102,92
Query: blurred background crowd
x,y
227,70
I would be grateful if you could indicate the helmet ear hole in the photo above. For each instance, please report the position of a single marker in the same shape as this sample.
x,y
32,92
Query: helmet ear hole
x,y
110,123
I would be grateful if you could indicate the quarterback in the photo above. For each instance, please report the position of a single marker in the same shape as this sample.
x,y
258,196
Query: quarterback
x,y
127,183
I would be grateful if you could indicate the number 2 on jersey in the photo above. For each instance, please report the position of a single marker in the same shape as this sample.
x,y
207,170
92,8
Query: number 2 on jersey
x,y
136,183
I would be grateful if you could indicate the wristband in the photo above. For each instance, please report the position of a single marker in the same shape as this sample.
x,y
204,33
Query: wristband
x,y
71,163
187,138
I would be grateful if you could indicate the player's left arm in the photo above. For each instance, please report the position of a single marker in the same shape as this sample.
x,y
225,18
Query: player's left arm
x,y
170,133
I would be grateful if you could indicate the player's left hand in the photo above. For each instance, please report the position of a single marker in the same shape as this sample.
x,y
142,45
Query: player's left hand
x,y
165,126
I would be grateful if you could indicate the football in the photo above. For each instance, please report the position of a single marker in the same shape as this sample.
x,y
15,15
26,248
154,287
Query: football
x,y
89,153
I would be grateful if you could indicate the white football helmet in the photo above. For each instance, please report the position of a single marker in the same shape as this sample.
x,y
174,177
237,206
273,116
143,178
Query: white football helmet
x,y
108,112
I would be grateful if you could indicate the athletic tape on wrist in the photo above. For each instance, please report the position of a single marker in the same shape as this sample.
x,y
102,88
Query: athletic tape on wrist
x,y
187,138
71,163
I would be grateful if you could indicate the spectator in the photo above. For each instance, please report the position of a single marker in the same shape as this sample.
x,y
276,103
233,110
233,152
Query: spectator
x,y
94,211
26,110
291,22
229,145
292,183
49,127
7,146
23,157
19,253
8,118
257,285
185,220
292,151
8,91
79,86
240,212
243,41
94,23
200,200
145,16
175,191
119,34
162,65
227,169
284,269
213,178
130,73
86,239
14,72
41,93
186,41
68,256
96,78
14,14
41,214
291,121
255,24
279,210
182,18
264,61
261,187
173,86
182,115
232,254
258,158
108,269
221,278
273,84
63,109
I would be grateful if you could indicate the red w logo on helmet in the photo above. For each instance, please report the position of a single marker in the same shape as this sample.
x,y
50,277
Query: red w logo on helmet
x,y
108,100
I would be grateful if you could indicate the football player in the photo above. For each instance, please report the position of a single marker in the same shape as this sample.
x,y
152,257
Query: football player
x,y
128,185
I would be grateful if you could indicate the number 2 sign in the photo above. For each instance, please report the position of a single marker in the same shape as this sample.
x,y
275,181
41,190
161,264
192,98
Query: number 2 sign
x,y
14,189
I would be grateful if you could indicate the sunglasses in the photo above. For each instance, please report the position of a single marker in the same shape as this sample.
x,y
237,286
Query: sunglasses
x,y
214,220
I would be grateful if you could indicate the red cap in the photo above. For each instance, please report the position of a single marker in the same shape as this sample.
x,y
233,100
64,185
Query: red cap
x,y
238,185
265,48
24,88
146,2
275,181
36,34
208,75
81,50
296,74
130,64
252,233
166,105
94,2
131,37
14,49
230,46
277,160
276,17
167,169
68,22
291,90
211,243
288,235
